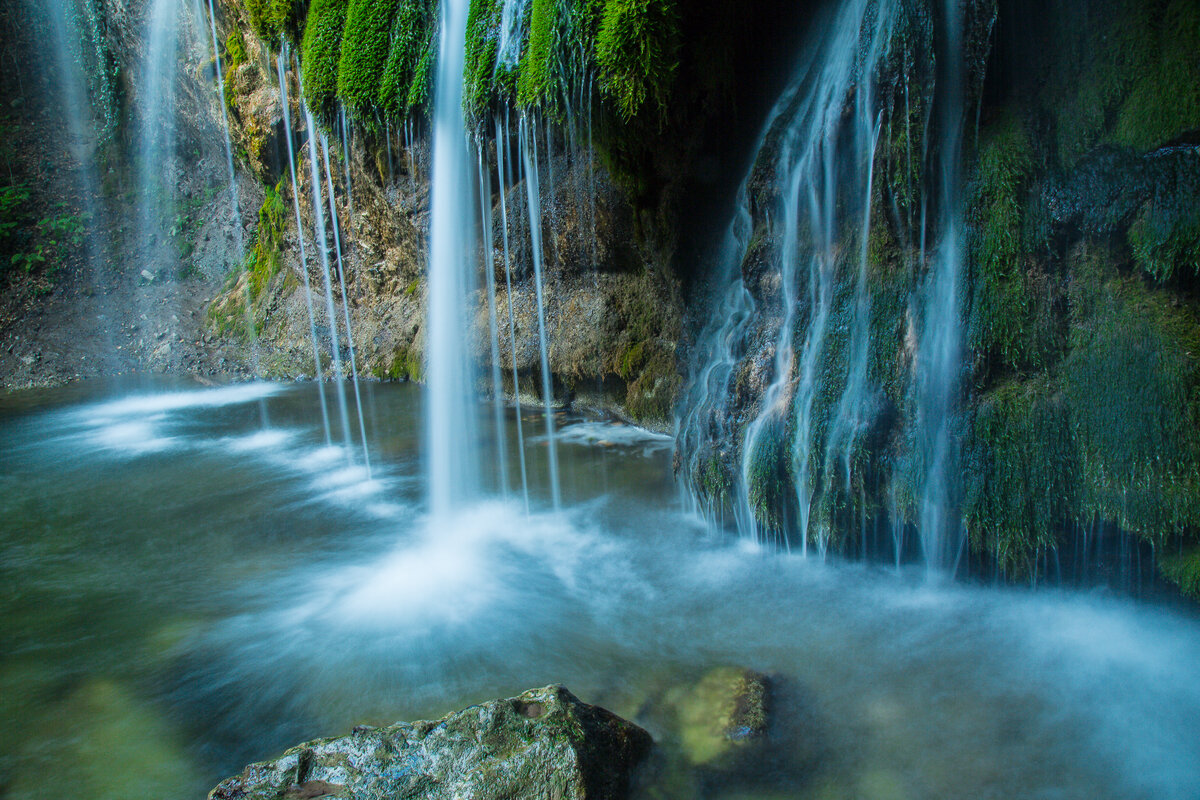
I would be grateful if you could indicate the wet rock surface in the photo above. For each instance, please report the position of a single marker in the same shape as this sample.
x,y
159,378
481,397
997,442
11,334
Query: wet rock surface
x,y
545,743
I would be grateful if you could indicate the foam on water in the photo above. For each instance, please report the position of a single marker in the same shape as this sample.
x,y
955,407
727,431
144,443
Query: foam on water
x,y
270,439
178,401
453,571
608,434
134,438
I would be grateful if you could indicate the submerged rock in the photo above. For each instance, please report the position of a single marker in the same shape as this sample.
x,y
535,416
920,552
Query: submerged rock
x,y
728,706
543,744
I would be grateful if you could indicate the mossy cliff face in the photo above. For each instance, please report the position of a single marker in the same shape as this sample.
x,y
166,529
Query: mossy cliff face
x,y
1085,319
1079,299
614,279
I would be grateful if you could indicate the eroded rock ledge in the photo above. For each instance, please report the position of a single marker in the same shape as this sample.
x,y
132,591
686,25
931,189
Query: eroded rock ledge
x,y
545,743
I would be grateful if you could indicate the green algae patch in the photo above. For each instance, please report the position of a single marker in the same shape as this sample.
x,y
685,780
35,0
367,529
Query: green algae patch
x,y
273,21
407,365
723,711
1010,325
1122,72
265,260
483,42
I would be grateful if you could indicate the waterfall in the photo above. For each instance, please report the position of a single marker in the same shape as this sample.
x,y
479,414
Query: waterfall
x,y
341,271
77,105
449,445
821,161
235,212
504,176
312,320
528,147
939,349
318,202
156,132
485,216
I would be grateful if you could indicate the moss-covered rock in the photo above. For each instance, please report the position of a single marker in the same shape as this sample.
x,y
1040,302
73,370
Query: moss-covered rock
x,y
407,78
321,50
366,42
637,52
274,21
1133,382
1183,570
543,743
727,708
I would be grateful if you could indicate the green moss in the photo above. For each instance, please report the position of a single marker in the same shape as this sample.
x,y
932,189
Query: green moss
x,y
1022,474
1010,326
1183,570
637,51
364,51
407,74
1133,381
651,396
1122,72
273,21
1164,96
644,348
264,261
321,51
539,70
713,479
769,478
235,56
406,365
1165,236
483,40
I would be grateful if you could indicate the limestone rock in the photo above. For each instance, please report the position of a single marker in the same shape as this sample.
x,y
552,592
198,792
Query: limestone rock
x,y
543,744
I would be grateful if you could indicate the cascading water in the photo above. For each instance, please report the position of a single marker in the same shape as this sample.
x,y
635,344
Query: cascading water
x,y
72,84
939,360
485,216
821,160
341,271
318,202
504,176
449,434
157,117
312,319
235,212
528,146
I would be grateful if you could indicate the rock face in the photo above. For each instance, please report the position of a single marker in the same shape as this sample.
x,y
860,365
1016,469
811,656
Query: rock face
x,y
543,744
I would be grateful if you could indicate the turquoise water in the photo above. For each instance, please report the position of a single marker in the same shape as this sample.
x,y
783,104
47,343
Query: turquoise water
x,y
183,592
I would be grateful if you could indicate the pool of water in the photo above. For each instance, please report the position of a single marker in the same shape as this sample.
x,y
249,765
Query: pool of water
x,y
184,589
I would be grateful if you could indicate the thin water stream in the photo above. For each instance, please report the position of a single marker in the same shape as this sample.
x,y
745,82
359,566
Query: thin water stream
x,y
184,592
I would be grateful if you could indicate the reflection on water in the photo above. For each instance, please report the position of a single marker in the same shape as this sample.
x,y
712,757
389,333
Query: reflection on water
x,y
184,592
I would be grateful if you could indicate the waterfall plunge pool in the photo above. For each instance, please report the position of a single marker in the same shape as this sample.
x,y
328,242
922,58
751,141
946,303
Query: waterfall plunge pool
x,y
184,591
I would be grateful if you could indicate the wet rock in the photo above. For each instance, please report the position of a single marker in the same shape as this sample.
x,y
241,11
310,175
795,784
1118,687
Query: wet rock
x,y
725,709
543,744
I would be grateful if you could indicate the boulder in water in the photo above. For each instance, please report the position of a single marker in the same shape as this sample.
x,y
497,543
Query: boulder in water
x,y
726,708
543,744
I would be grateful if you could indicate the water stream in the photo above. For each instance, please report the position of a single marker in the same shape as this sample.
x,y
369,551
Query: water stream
x,y
248,593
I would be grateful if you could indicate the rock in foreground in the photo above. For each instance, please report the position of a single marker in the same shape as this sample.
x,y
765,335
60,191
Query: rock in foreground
x,y
545,744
